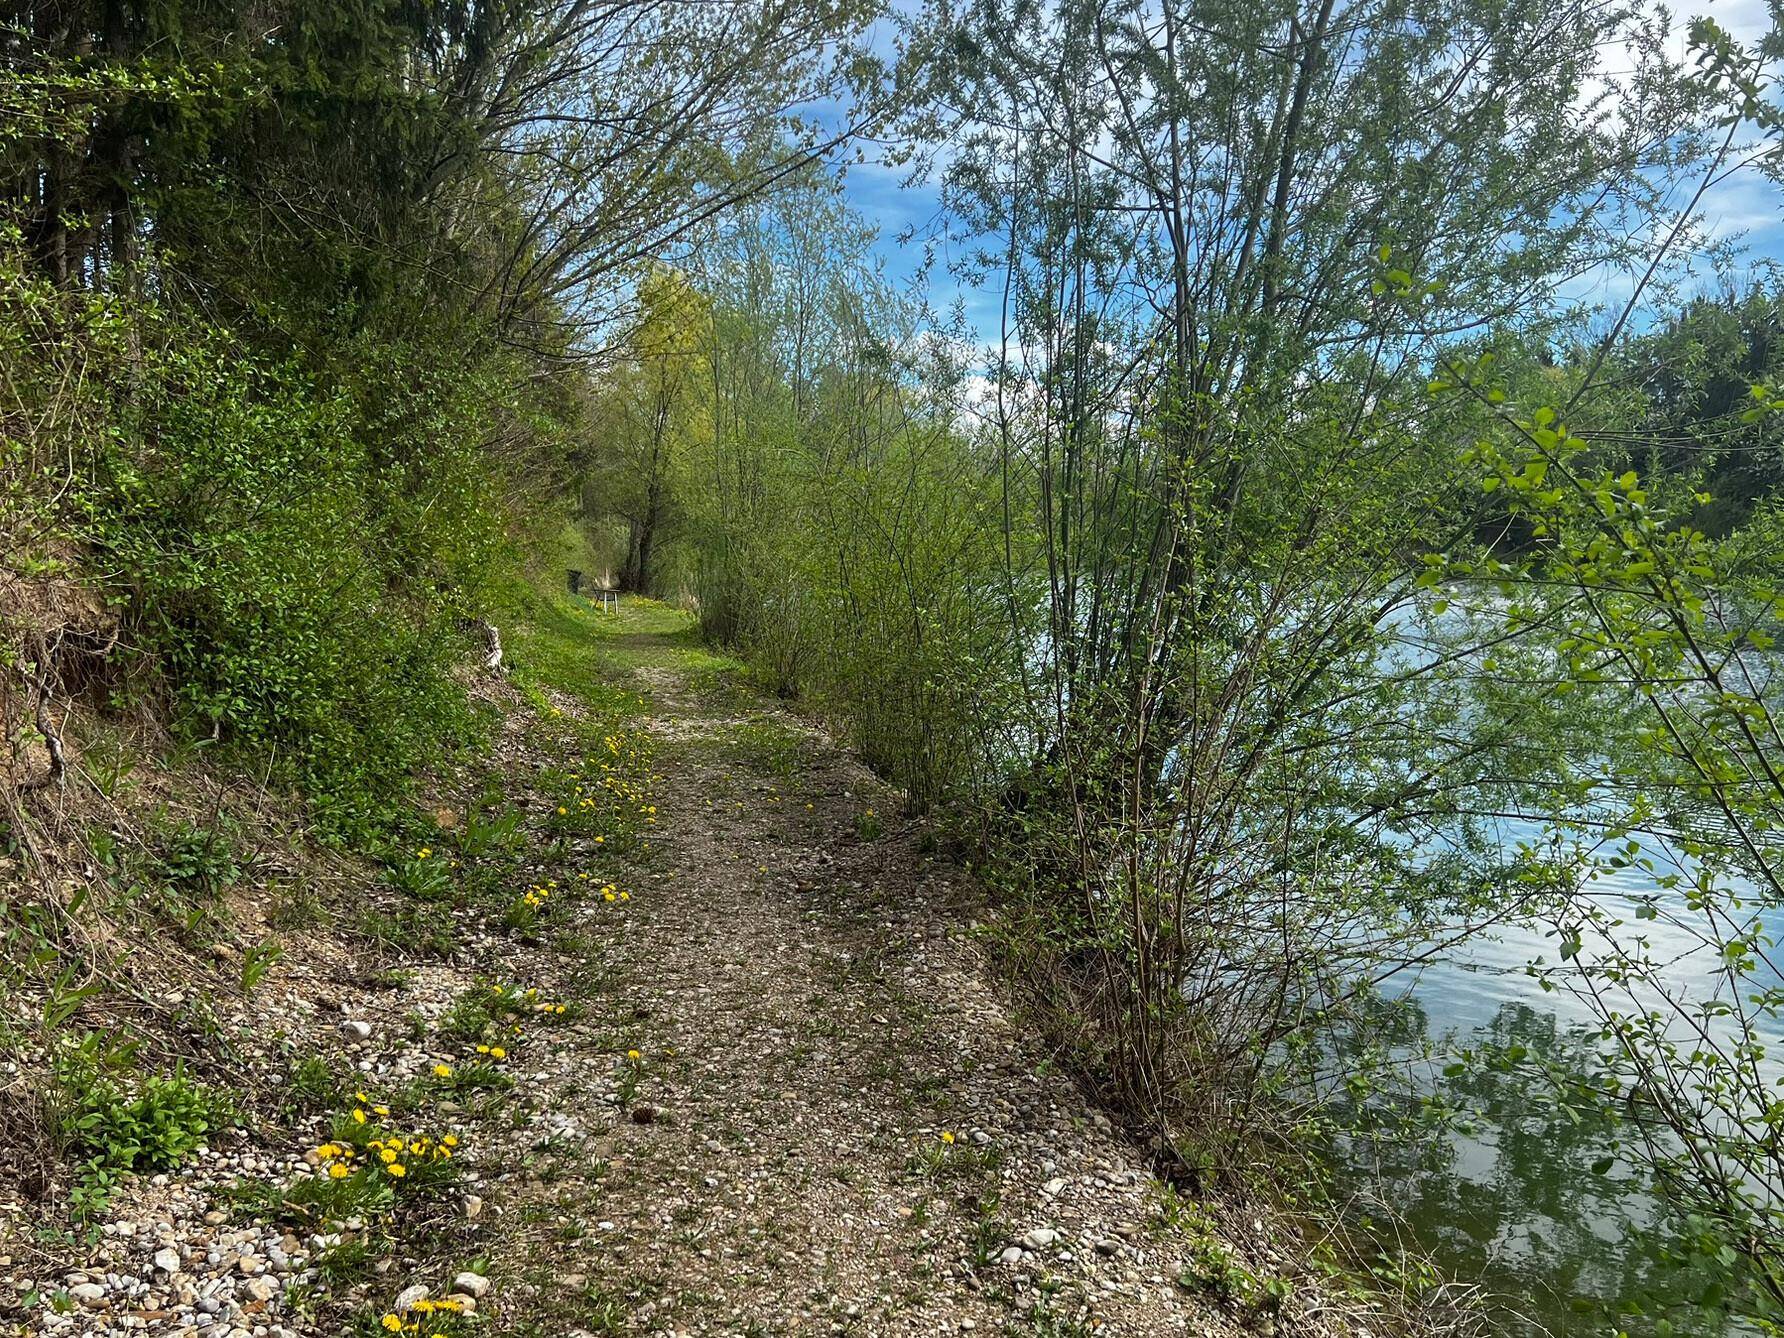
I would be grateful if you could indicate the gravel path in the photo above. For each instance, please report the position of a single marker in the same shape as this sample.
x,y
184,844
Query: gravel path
x,y
839,1128
784,1096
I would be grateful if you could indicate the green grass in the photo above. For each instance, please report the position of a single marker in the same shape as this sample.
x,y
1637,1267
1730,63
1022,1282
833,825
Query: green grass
x,y
563,641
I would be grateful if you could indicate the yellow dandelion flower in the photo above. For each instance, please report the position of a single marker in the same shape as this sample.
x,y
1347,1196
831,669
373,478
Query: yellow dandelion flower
x,y
947,1137
634,1056
442,1070
398,1170
337,1171
358,1116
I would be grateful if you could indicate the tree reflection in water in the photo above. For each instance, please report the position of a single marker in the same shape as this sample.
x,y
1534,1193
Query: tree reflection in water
x,y
1522,1191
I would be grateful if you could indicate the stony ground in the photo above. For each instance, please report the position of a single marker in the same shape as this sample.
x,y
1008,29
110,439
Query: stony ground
x,y
852,1134
785,1095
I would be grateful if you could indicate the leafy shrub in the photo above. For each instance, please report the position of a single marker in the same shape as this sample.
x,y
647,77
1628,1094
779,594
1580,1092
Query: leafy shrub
x,y
113,1126
292,554
423,875
197,861
490,829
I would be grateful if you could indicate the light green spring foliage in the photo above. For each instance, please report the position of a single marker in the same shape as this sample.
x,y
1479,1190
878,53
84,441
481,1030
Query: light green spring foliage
x,y
1155,590
287,372
1144,585
827,506
1638,603
288,563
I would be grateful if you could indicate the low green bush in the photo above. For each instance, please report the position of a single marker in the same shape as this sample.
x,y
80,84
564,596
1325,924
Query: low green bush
x,y
114,1125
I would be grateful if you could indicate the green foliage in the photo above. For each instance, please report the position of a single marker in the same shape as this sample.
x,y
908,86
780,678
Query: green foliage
x,y
197,861
490,829
765,746
842,531
275,627
1646,612
257,961
312,1085
112,1124
423,874
480,1076
408,929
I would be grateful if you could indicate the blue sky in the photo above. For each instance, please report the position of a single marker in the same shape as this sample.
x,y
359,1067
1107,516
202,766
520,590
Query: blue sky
x,y
1746,204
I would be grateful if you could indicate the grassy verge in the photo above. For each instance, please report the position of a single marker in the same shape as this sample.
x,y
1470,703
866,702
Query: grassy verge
x,y
159,1017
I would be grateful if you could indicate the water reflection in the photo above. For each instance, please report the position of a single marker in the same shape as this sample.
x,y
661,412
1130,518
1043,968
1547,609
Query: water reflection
x,y
1528,1198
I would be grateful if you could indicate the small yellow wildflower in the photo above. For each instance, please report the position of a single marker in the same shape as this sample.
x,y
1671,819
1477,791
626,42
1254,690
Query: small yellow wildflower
x,y
634,1056
337,1172
442,1070
398,1170
947,1137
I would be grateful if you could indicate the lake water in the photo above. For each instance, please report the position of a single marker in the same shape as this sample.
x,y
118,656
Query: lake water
x,y
1516,1203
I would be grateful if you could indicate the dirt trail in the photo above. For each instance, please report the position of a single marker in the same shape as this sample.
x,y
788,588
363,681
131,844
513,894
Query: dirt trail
x,y
844,1130
782,1093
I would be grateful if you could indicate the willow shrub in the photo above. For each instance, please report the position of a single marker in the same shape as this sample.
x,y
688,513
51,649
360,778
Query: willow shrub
x,y
873,584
